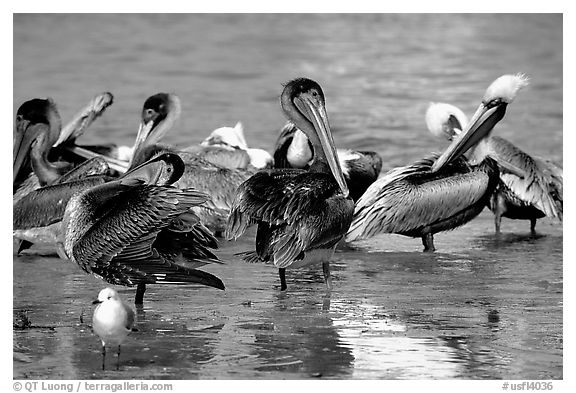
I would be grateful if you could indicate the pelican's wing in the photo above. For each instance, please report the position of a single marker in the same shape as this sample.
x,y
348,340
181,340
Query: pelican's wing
x,y
118,246
296,211
188,242
406,199
542,184
91,167
260,198
223,157
45,206
218,182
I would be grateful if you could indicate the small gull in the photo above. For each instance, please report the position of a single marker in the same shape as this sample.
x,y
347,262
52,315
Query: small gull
x,y
112,320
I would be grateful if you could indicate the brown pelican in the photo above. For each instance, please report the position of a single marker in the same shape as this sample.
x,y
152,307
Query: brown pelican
x,y
435,195
537,195
360,168
38,126
301,215
232,138
139,229
36,209
37,123
158,115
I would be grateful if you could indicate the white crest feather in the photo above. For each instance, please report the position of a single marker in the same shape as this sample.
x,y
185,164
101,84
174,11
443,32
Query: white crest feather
x,y
506,87
437,117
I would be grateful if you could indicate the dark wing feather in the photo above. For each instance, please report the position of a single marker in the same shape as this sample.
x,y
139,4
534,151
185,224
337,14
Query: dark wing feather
x,y
226,158
297,211
119,248
541,183
46,205
407,199
92,167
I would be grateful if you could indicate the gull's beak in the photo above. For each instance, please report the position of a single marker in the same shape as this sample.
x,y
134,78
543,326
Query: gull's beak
x,y
316,113
97,301
477,129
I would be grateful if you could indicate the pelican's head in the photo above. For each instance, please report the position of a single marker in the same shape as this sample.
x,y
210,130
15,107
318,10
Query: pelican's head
x,y
499,94
158,116
227,137
106,294
34,117
505,89
162,169
303,102
445,120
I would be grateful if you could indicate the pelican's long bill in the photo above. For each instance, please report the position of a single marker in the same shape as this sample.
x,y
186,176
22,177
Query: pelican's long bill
x,y
142,136
22,141
479,127
317,115
151,170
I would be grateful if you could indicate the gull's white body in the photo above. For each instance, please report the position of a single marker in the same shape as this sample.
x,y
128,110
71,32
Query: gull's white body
x,y
112,320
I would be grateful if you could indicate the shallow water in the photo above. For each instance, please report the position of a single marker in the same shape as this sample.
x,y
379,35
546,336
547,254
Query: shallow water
x,y
483,306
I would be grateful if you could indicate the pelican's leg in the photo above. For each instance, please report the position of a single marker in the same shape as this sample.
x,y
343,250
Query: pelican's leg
x,y
327,278
140,289
428,242
103,355
118,361
533,226
499,210
282,274
497,221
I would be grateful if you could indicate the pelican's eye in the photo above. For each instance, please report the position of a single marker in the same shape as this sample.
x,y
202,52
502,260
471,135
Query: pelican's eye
x,y
19,117
493,103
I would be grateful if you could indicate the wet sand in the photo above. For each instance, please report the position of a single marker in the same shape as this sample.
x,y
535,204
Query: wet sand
x,y
488,307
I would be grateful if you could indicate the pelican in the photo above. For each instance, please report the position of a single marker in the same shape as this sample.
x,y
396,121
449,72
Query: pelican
x,y
35,210
38,126
112,321
160,113
439,193
158,116
301,215
360,168
232,138
537,195
139,229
